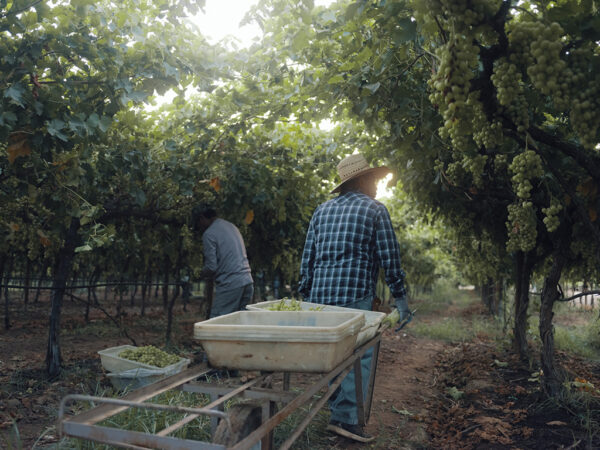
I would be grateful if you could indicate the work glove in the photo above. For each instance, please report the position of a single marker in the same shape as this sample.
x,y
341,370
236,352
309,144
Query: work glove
x,y
401,314
403,311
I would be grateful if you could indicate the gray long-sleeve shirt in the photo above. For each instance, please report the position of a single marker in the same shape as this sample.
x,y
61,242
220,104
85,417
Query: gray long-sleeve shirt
x,y
225,255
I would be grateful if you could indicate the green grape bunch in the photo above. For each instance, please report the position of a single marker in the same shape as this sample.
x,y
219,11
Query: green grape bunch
x,y
548,71
525,167
521,224
486,133
286,304
150,355
507,81
551,219
451,87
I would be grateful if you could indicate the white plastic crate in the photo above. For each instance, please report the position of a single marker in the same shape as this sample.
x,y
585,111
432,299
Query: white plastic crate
x,y
372,318
295,341
112,362
136,378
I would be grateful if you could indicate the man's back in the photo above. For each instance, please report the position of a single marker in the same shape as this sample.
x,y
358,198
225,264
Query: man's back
x,y
348,239
225,255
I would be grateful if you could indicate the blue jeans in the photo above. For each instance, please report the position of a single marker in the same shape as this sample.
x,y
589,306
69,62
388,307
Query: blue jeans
x,y
343,401
231,300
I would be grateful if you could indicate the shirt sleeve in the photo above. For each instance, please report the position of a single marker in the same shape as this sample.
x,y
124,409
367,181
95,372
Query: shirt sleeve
x,y
388,254
308,261
209,247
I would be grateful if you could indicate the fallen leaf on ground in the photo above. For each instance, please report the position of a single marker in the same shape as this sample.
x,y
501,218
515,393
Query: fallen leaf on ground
x,y
557,423
404,412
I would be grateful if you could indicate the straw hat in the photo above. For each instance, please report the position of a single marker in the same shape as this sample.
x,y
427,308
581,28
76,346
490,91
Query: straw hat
x,y
356,165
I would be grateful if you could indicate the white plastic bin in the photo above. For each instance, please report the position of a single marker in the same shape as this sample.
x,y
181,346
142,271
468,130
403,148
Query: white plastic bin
x,y
112,362
136,378
295,341
372,318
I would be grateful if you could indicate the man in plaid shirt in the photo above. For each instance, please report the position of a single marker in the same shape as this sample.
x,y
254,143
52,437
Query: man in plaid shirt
x,y
349,239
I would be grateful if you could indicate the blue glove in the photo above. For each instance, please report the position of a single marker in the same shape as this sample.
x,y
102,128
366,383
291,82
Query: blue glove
x,y
402,307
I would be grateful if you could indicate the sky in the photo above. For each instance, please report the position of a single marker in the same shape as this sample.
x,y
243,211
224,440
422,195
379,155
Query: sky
x,y
222,17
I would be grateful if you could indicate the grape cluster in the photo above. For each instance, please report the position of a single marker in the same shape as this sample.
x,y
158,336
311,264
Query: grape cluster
x,y
486,133
518,111
451,85
551,212
500,161
547,73
478,253
525,167
566,77
507,80
521,225
585,113
520,34
475,165
150,355
438,165
456,173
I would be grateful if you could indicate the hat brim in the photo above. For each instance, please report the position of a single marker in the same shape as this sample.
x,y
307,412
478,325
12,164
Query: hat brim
x,y
379,172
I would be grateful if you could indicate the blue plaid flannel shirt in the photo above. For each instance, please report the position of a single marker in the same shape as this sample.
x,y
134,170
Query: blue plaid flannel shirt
x,y
349,238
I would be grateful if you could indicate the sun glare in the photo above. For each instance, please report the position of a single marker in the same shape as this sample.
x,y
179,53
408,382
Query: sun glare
x,y
221,19
383,191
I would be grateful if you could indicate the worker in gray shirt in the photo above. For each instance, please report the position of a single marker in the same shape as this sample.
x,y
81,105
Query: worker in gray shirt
x,y
226,261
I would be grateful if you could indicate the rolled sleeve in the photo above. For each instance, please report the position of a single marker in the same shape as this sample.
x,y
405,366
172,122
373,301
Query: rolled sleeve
x,y
388,253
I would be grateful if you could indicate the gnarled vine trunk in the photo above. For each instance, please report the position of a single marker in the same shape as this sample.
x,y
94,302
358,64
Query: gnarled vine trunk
x,y
62,270
524,268
492,293
552,377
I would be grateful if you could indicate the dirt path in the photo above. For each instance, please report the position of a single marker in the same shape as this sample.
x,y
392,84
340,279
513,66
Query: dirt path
x,y
405,386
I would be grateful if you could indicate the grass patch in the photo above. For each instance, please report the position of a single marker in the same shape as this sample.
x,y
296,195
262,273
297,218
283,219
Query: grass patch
x,y
98,328
450,314
151,421
581,339
447,329
442,295
314,436
458,329
575,341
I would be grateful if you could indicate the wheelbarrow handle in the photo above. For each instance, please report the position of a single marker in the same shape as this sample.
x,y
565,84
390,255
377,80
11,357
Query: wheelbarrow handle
x,y
406,320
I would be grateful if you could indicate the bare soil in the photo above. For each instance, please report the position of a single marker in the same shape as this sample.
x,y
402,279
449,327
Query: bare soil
x,y
429,394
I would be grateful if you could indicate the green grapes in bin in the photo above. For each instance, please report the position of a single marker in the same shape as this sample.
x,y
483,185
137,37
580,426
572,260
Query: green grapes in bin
x,y
286,304
150,355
